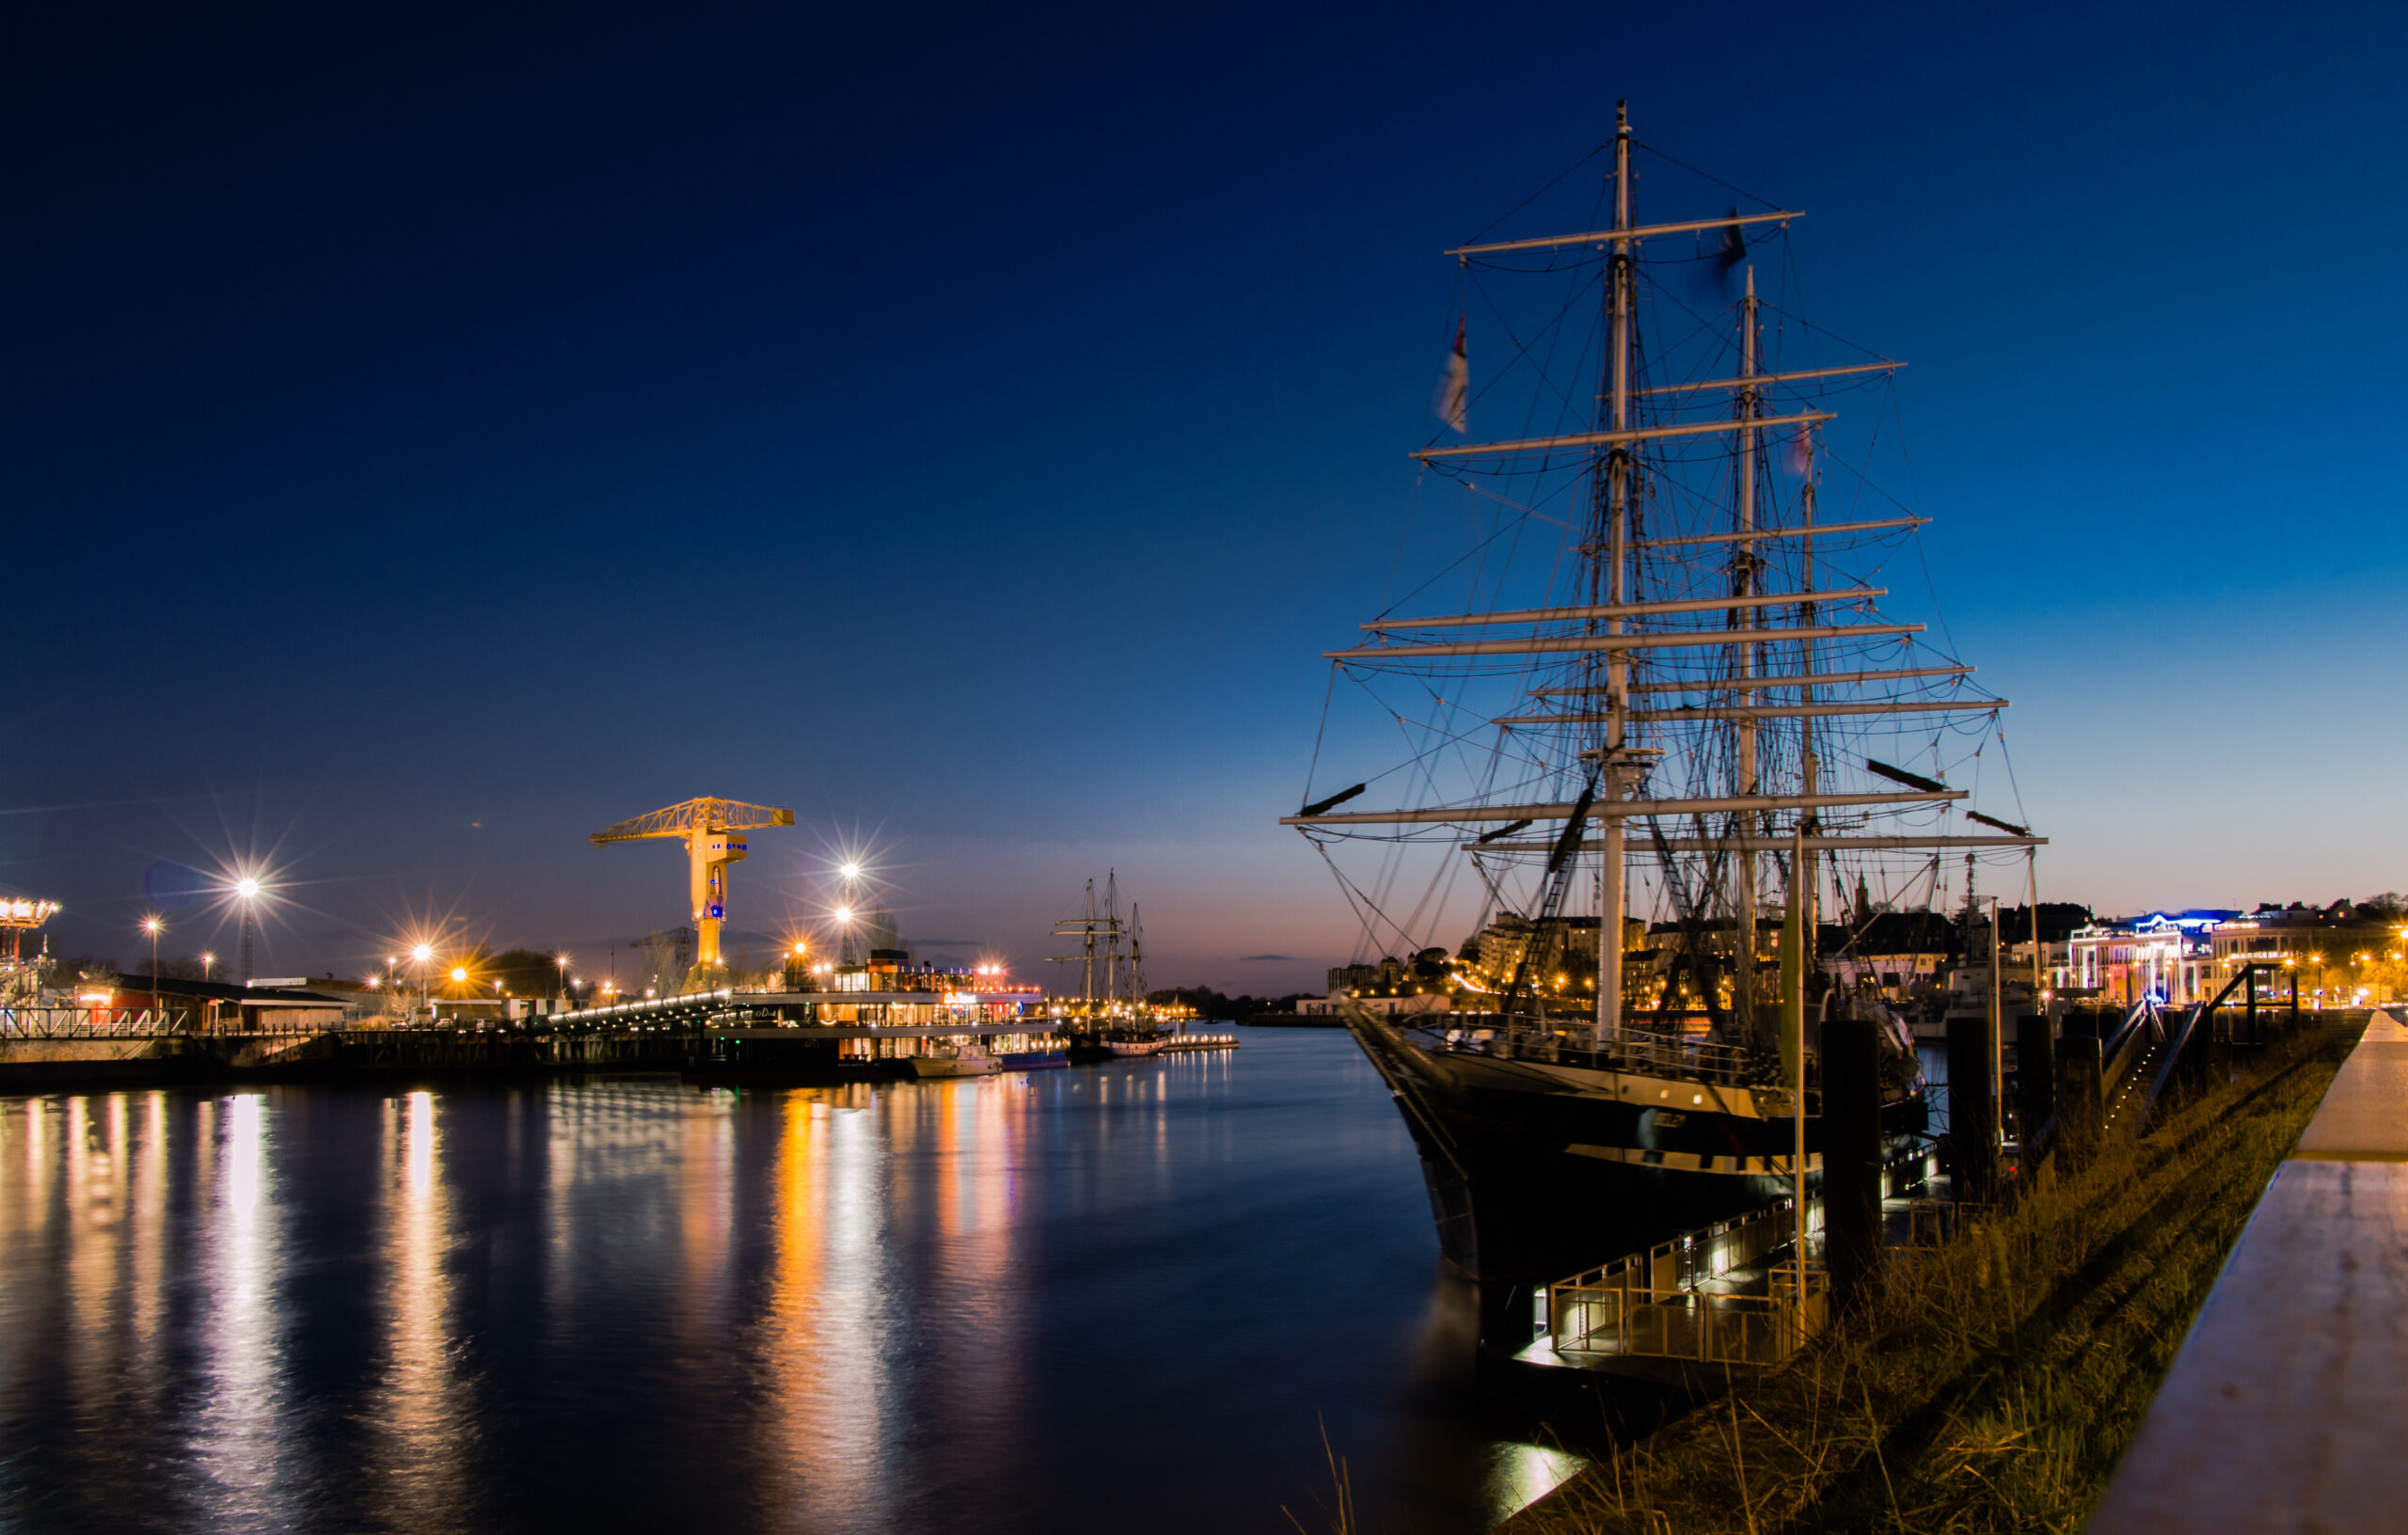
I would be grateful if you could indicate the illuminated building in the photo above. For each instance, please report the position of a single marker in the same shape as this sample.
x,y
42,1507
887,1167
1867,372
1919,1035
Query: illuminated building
x,y
2170,957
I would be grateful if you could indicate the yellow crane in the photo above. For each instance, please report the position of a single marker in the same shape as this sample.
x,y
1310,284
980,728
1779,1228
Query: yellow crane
x,y
708,827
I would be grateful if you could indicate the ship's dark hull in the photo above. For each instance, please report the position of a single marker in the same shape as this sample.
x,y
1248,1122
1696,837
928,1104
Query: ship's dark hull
x,y
1531,1184
1096,1049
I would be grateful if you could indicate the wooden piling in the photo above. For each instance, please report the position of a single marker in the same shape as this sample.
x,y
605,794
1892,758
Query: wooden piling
x,y
1973,1108
1852,1157
2080,1105
2036,1078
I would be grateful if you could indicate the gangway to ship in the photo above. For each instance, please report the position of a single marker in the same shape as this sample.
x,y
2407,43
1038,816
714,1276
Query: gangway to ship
x,y
2152,1048
1726,1294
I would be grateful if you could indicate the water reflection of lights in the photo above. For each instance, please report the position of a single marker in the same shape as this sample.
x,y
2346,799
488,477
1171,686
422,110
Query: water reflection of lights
x,y
237,1437
415,1458
706,1219
149,1212
847,1342
823,1322
35,1207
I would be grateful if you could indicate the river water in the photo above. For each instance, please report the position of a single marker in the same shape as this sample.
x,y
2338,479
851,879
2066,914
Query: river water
x,y
1125,1297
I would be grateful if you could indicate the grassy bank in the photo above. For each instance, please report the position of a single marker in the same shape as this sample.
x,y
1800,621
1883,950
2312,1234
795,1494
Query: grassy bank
x,y
1998,1379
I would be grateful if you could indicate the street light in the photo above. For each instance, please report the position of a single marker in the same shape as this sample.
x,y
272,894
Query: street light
x,y
424,955
153,927
246,893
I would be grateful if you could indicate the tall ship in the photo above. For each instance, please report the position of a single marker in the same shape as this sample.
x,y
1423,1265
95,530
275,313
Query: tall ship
x,y
1638,694
1110,1015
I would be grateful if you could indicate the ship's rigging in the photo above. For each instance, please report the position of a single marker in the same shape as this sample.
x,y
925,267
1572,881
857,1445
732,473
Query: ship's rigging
x,y
1692,695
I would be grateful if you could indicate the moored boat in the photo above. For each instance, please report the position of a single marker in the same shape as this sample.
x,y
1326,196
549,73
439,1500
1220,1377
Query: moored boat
x,y
953,1061
1673,684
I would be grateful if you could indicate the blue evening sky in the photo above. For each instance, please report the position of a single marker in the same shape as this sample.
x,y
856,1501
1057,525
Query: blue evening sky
x,y
432,433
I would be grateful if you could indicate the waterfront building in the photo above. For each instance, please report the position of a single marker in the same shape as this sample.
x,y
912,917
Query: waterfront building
x,y
276,1005
1896,956
2346,951
1427,971
2056,963
2168,955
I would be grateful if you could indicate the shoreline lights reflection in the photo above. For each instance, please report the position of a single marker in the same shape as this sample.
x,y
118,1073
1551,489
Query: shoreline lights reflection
x,y
417,1441
236,1442
911,1307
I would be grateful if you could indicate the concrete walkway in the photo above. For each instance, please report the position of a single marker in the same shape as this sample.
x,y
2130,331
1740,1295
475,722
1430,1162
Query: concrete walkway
x,y
2288,1407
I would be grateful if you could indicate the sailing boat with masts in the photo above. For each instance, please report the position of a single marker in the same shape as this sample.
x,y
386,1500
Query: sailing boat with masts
x,y
1112,1015
1672,685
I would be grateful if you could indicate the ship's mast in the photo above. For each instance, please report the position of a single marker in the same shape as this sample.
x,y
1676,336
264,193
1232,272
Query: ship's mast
x,y
1107,926
1112,938
1136,960
1611,872
1741,819
1802,872
1743,586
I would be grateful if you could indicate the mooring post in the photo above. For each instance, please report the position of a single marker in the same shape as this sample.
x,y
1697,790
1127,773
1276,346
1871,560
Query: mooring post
x,y
2198,1061
1973,1108
2080,1109
1852,1157
2036,1078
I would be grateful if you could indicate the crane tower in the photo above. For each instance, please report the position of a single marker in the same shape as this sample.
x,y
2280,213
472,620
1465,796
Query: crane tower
x,y
710,829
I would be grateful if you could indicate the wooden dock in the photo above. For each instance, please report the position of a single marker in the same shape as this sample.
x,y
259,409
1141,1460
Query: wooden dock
x,y
1181,1044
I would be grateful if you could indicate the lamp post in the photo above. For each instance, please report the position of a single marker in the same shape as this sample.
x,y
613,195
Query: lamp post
x,y
152,925
850,872
246,893
561,995
422,953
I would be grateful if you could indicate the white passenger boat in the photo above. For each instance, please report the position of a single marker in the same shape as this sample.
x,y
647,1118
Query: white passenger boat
x,y
955,1061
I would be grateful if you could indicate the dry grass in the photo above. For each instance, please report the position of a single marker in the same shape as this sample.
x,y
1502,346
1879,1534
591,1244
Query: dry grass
x,y
1996,1380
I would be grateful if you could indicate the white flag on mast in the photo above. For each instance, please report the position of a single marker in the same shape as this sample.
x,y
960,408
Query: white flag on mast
x,y
1455,385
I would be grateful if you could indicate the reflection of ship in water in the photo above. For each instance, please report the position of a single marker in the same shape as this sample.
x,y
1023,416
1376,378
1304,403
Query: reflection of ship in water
x,y
1111,1018
1669,683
